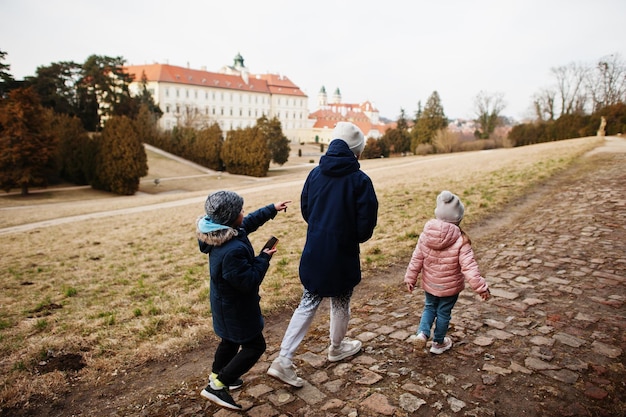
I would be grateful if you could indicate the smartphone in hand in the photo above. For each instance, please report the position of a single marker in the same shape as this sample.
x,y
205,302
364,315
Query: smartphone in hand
x,y
270,244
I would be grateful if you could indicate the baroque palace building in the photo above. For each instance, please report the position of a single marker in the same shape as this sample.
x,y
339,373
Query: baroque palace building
x,y
232,97
235,98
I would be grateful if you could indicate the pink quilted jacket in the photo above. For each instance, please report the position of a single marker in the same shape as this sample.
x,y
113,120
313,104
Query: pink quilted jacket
x,y
446,261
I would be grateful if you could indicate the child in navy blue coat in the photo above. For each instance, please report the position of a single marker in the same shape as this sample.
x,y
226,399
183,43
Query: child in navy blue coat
x,y
236,275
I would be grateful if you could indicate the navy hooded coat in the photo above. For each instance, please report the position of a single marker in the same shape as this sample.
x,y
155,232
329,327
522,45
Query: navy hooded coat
x,y
236,275
339,204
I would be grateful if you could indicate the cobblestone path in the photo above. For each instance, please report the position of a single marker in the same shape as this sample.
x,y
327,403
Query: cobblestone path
x,y
550,342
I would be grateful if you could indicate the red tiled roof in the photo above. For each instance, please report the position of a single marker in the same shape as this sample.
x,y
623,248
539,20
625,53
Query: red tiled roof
x,y
181,75
279,84
328,119
368,106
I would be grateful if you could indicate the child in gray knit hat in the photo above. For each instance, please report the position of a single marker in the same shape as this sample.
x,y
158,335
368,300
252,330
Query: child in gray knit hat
x,y
236,275
444,257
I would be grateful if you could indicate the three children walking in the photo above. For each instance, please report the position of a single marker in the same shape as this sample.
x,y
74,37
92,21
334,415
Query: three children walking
x,y
339,204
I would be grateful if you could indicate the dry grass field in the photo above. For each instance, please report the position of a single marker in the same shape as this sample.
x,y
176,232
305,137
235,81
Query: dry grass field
x,y
110,282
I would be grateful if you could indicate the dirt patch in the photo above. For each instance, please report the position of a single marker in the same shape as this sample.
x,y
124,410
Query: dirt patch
x,y
66,363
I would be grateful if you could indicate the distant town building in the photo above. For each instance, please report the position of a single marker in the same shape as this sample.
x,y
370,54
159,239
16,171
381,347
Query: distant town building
x,y
235,98
328,113
232,97
463,126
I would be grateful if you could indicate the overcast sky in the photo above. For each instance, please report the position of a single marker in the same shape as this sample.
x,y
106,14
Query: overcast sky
x,y
393,53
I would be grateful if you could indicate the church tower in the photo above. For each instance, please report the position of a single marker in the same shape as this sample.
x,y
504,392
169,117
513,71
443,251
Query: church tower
x,y
322,99
337,96
238,62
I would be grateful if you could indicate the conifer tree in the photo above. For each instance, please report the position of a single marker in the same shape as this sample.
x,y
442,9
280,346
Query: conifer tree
x,y
372,149
397,140
121,160
429,121
245,152
146,125
75,152
209,143
27,148
277,142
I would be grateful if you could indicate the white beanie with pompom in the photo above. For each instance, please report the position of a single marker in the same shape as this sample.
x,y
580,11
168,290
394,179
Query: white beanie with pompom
x,y
449,208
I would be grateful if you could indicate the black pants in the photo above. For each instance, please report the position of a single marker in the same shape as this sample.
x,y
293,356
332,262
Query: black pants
x,y
230,362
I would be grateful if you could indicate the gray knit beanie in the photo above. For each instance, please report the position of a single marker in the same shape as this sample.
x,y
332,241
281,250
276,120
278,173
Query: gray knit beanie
x,y
223,207
449,208
352,135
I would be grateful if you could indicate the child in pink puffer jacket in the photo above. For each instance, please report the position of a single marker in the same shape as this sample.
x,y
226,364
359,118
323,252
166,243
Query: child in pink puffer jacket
x,y
445,258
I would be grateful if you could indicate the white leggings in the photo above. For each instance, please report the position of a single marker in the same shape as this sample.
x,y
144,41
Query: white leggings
x,y
303,317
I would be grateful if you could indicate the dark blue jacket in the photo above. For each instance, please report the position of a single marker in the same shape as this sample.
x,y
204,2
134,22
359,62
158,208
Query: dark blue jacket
x,y
339,204
236,274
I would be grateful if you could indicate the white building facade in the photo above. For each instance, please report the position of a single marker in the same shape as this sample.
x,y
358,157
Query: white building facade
x,y
232,97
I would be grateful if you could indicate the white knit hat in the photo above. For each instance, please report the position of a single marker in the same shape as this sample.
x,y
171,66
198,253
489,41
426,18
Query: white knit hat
x,y
449,208
352,135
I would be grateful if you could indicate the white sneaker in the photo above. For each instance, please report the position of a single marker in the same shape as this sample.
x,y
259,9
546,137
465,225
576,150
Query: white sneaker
x,y
285,372
420,341
439,348
346,349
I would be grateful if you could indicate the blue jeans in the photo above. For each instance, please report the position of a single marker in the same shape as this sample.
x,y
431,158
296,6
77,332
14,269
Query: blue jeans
x,y
437,310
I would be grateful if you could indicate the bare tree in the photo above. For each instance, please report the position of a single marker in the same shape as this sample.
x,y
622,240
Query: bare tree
x,y
607,84
570,88
543,104
488,108
192,117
